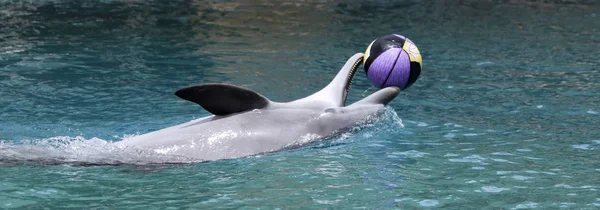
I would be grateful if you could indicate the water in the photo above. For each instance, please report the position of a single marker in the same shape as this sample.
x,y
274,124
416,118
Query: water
x,y
505,115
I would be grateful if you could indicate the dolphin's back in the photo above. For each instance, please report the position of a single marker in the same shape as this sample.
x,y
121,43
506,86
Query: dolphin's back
x,y
243,134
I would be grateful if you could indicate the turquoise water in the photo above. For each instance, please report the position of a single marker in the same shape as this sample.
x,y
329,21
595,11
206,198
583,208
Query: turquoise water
x,y
506,114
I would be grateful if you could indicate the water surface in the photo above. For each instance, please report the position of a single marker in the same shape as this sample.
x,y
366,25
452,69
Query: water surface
x,y
505,115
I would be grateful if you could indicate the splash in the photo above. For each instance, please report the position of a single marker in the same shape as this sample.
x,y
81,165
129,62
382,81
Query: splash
x,y
81,151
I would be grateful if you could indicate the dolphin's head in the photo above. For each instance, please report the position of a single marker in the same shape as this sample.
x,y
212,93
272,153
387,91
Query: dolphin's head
x,y
336,92
334,118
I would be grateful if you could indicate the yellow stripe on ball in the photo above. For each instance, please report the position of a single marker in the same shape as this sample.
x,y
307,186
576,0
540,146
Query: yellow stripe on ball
x,y
367,53
413,52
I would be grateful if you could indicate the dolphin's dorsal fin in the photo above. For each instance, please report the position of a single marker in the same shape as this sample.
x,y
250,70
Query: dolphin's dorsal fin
x,y
223,99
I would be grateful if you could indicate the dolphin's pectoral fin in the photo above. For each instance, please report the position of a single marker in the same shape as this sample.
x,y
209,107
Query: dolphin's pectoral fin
x,y
223,99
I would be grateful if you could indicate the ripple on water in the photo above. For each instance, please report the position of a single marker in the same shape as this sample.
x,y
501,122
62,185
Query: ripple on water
x,y
411,153
502,160
521,178
493,189
449,135
503,153
469,159
581,146
15,203
524,150
528,205
429,203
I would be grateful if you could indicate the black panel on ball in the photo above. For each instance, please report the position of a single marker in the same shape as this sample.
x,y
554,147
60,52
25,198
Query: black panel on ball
x,y
415,71
381,45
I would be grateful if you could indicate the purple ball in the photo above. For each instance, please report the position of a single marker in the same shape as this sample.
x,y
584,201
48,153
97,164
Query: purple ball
x,y
392,60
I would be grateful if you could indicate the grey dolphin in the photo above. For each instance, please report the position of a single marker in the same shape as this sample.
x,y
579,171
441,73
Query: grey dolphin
x,y
246,123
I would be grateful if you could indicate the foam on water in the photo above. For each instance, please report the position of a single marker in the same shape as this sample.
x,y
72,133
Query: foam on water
x,y
78,150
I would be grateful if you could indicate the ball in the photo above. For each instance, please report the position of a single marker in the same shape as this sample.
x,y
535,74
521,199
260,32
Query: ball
x,y
392,60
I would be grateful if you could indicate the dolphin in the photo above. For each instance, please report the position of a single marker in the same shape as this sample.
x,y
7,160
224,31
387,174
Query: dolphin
x,y
245,123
